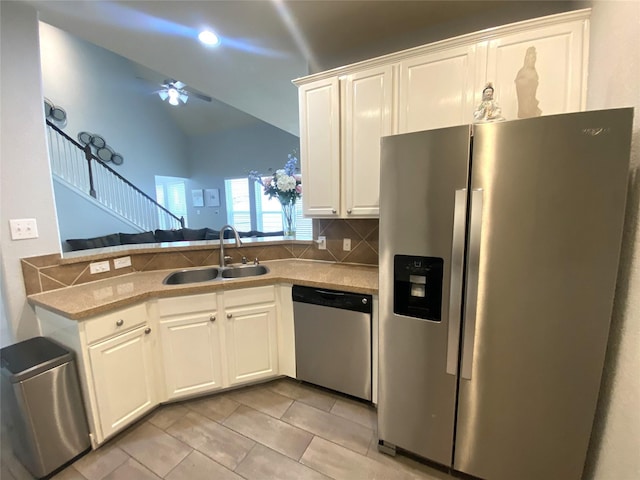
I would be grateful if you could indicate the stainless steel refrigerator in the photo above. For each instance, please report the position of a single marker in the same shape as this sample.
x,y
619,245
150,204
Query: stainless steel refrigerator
x,y
499,248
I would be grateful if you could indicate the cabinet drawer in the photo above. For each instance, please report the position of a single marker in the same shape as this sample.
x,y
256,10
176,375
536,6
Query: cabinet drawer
x,y
249,296
114,323
189,304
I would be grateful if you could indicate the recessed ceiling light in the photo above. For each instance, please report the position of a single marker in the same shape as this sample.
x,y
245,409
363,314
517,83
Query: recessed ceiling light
x,y
207,37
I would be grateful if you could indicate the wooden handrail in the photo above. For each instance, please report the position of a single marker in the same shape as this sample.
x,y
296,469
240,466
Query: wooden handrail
x,y
90,156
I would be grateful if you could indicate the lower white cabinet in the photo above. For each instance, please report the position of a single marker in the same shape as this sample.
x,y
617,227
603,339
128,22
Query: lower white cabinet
x,y
122,371
212,341
191,347
132,359
252,349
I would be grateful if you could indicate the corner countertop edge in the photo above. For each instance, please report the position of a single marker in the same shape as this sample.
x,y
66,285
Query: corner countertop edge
x,y
84,301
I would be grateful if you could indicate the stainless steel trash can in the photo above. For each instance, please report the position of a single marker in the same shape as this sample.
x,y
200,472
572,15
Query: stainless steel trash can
x,y
42,403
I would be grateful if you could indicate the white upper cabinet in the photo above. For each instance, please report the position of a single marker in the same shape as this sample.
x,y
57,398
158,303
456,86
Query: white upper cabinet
x,y
342,120
560,63
368,115
438,89
345,111
320,146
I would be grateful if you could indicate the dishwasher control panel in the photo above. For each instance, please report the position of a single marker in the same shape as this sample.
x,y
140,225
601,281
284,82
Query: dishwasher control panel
x,y
356,302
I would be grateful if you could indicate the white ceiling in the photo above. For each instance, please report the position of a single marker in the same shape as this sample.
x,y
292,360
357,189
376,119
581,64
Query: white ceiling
x,y
265,43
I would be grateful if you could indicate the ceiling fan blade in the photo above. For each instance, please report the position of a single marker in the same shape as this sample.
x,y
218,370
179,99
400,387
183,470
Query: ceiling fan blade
x,y
201,96
179,85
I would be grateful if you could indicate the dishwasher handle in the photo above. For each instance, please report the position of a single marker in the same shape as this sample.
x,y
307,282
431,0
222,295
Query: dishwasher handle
x,y
332,298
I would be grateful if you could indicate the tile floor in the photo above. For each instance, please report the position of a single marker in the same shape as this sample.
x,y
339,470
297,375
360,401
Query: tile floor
x,y
282,429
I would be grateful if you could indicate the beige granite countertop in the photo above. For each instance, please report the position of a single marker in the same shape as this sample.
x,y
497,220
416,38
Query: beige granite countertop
x,y
89,299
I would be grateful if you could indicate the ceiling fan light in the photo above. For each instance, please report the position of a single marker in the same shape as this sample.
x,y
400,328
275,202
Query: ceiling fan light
x,y
173,94
207,37
173,101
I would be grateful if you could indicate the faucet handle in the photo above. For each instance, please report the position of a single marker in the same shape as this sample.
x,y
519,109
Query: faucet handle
x,y
227,259
244,260
256,261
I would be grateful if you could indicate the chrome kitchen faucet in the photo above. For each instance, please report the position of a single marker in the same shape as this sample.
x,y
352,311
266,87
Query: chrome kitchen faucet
x,y
223,258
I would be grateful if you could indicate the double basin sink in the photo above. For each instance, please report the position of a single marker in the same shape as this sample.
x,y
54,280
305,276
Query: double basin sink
x,y
181,277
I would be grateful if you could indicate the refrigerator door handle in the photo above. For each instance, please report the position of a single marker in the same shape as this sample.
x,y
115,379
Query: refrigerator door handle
x,y
471,303
455,283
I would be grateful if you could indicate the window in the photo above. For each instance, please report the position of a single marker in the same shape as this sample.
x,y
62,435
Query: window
x,y
238,203
171,194
250,209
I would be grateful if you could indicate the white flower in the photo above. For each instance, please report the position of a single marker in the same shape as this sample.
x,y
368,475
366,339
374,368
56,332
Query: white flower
x,y
285,183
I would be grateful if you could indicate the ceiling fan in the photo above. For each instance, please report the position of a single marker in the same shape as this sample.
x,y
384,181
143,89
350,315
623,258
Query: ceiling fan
x,y
176,92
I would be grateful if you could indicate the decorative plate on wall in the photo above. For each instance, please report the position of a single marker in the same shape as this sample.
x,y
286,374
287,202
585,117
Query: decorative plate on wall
x,y
97,141
59,114
105,153
84,138
117,159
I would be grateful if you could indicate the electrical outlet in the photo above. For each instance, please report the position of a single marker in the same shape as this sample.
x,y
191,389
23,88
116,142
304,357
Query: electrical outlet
x,y
99,267
23,228
322,243
121,262
346,244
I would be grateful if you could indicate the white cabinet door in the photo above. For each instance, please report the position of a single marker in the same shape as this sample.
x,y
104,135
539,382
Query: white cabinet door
x,y
560,64
437,89
191,354
320,147
251,341
368,115
122,369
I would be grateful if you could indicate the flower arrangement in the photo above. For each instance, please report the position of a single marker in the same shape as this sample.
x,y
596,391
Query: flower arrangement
x,y
284,184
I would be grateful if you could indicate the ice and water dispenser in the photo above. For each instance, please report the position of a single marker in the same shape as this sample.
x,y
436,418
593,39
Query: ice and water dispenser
x,y
417,285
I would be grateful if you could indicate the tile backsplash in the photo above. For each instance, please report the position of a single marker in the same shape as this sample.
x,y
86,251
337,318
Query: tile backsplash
x,y
51,272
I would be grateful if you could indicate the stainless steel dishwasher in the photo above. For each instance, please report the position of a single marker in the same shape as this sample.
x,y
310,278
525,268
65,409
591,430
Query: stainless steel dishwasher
x,y
333,339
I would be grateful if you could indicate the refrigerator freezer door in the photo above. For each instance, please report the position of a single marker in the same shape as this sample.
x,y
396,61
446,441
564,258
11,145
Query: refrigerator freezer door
x,y
421,173
553,196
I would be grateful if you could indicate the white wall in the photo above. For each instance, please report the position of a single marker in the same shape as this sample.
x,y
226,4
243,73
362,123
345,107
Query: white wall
x,y
614,81
101,94
229,154
25,180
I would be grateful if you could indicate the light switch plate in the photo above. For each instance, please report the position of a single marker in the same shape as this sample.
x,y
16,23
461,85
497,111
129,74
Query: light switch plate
x,y
23,228
99,267
346,244
322,243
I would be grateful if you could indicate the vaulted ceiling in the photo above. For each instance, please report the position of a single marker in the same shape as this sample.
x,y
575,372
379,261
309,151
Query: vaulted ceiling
x,y
267,43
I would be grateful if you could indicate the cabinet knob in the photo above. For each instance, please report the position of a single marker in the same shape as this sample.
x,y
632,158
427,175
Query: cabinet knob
x,y
212,318
147,330
229,315
333,210
349,210
119,323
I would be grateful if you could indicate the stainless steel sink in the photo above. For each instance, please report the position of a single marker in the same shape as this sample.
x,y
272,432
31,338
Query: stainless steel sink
x,y
213,273
244,271
191,276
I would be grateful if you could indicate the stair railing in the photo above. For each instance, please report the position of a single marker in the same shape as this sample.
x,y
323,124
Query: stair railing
x,y
78,167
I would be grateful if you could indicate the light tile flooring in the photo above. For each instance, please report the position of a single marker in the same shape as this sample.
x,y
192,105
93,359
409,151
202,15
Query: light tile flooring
x,y
282,429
